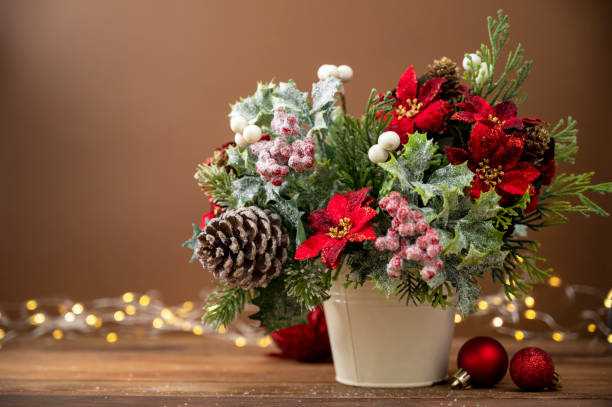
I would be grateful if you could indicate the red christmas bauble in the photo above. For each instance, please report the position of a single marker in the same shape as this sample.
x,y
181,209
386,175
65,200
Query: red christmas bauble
x,y
306,342
484,359
533,369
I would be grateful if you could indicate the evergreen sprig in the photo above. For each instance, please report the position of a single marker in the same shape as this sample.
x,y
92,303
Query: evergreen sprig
x,y
308,282
502,88
564,133
217,182
224,305
351,138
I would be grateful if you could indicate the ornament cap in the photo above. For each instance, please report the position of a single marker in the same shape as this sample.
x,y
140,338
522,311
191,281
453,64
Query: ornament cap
x,y
460,380
556,383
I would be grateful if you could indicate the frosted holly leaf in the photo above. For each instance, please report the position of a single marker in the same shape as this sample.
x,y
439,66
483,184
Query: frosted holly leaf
x,y
450,203
476,262
239,160
467,294
455,177
322,121
485,207
438,279
323,94
410,164
288,210
246,189
289,98
193,243
481,234
256,109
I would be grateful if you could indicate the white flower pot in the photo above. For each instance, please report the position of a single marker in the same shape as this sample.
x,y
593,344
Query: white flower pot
x,y
380,342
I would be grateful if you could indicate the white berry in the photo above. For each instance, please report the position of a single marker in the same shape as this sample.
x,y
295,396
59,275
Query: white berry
x,y
251,133
345,73
475,62
326,71
240,141
389,140
238,123
377,154
483,74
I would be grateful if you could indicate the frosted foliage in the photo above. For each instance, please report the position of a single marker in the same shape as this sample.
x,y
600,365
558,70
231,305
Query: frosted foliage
x,y
323,94
410,164
288,98
451,177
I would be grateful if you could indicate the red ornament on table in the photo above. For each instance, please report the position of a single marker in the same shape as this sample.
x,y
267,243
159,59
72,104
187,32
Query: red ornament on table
x,y
533,369
482,362
305,342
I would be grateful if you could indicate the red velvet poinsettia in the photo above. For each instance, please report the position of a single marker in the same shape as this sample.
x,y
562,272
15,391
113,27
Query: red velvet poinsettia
x,y
476,109
494,157
416,108
344,220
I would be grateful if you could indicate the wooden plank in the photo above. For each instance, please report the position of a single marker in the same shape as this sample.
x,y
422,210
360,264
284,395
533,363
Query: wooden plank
x,y
174,370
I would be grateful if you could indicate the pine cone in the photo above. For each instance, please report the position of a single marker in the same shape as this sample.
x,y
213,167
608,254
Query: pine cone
x,y
446,68
245,247
537,140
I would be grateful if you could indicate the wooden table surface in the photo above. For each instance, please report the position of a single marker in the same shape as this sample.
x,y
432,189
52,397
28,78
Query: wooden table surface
x,y
183,370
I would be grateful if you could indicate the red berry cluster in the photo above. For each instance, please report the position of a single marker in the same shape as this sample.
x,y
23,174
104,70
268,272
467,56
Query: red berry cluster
x,y
285,124
410,238
274,156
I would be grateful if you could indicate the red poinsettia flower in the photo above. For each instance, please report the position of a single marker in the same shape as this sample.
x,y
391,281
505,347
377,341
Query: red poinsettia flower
x,y
494,157
344,220
476,109
416,108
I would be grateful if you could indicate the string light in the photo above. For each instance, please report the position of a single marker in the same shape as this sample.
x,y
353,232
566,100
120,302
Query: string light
x,y
554,281
57,334
31,305
158,323
111,337
77,308
38,319
558,336
128,297
91,319
58,316
264,342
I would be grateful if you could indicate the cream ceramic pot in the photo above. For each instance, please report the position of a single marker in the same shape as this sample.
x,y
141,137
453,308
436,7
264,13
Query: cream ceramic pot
x,y
380,342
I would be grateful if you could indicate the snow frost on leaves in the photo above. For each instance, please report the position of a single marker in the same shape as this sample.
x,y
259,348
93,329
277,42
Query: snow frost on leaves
x,y
246,189
410,164
256,109
476,229
289,98
452,177
192,243
323,94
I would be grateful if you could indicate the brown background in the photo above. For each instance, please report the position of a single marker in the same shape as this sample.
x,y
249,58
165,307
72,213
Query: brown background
x,y
106,108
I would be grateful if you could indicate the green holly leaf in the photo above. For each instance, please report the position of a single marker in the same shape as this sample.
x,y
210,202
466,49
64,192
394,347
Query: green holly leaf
x,y
452,177
246,189
192,243
289,98
410,164
256,109
485,207
324,94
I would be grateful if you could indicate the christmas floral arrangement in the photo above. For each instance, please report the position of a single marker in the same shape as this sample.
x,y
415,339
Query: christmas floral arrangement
x,y
433,189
